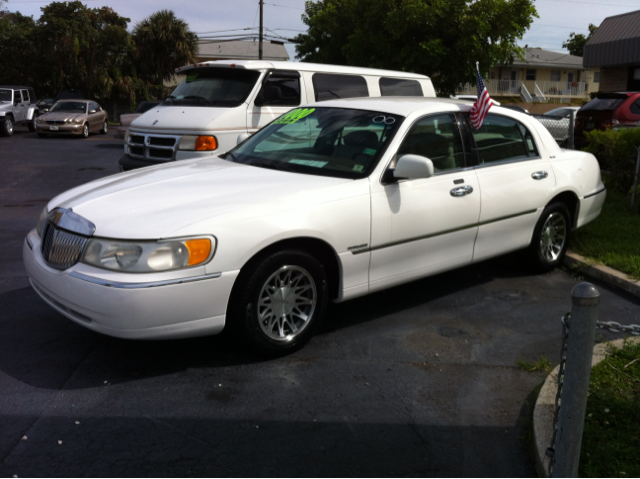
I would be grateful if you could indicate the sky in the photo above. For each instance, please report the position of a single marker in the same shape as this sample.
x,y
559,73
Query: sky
x,y
558,18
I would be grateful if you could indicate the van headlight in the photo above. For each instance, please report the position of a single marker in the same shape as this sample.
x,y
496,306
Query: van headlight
x,y
148,256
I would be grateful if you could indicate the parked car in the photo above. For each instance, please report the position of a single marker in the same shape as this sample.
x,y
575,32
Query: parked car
x,y
563,112
327,203
127,118
45,105
219,100
605,111
558,123
73,117
17,107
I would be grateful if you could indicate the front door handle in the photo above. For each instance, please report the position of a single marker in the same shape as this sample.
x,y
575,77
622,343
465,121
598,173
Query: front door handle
x,y
461,190
539,175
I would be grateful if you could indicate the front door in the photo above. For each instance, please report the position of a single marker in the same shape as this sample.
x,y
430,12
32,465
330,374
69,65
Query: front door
x,y
19,107
420,227
280,92
516,181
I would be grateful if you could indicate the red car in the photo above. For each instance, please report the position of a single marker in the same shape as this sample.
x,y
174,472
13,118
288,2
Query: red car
x,y
606,111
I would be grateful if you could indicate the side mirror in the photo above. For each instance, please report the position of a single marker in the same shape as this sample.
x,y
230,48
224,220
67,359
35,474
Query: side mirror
x,y
91,112
242,137
413,167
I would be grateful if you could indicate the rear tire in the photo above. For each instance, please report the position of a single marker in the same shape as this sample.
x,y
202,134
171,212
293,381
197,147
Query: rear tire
x,y
6,127
278,302
105,128
32,124
550,238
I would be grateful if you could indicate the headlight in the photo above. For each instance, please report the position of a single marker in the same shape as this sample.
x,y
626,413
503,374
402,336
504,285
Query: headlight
x,y
40,224
198,143
68,120
148,256
77,120
40,120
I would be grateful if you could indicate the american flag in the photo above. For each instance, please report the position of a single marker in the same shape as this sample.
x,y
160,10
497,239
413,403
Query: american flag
x,y
482,105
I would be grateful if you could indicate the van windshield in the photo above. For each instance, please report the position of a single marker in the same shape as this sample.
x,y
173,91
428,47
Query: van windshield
x,y
5,95
217,87
321,141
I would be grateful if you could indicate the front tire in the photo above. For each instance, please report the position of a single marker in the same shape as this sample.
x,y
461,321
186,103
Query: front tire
x,y
85,131
550,238
105,128
279,302
6,127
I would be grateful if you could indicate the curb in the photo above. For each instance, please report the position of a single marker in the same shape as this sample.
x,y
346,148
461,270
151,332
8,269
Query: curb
x,y
545,407
603,273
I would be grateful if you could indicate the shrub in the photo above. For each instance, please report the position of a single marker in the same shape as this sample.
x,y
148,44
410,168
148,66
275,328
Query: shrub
x,y
617,153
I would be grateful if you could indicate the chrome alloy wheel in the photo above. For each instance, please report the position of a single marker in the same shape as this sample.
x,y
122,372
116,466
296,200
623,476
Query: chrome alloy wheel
x,y
553,236
286,303
8,122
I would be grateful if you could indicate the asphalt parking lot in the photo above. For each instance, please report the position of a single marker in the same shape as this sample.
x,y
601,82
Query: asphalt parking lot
x,y
419,380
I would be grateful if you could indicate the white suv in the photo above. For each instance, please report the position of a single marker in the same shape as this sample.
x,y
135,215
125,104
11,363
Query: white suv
x,y
17,107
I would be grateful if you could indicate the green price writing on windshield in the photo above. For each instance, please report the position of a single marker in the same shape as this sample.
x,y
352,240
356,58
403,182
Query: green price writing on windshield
x,y
294,116
190,78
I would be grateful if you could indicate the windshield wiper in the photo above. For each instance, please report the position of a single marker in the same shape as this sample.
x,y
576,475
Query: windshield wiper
x,y
195,97
233,157
272,166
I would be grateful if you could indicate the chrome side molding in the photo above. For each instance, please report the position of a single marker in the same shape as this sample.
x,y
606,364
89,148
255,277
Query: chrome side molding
x,y
152,284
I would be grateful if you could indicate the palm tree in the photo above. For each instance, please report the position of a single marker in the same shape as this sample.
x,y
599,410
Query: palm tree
x,y
163,43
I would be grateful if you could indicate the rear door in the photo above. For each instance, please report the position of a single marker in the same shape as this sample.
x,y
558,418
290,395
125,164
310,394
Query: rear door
x,y
281,91
516,181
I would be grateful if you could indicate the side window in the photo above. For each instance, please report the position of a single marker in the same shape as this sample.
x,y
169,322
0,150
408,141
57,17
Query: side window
x,y
17,98
25,96
503,139
635,107
399,87
93,106
328,86
280,90
437,138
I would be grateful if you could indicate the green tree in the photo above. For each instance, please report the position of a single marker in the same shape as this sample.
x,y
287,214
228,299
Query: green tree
x,y
576,41
85,48
163,43
439,38
16,45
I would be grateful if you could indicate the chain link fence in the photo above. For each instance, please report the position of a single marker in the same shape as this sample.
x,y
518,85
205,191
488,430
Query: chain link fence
x,y
578,336
561,128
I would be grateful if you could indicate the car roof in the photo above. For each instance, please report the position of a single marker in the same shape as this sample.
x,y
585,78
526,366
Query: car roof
x,y
16,87
301,66
405,106
76,100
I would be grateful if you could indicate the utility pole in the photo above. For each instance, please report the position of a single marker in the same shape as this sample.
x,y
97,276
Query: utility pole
x,y
260,44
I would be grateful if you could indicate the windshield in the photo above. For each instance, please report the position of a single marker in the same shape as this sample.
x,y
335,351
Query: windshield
x,y
5,95
145,106
70,106
321,141
603,104
219,87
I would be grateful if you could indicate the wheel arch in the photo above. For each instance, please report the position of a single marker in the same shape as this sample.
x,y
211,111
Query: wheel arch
x,y
318,248
571,201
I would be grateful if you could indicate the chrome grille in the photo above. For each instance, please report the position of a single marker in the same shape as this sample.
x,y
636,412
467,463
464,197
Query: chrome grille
x,y
61,249
153,147
55,122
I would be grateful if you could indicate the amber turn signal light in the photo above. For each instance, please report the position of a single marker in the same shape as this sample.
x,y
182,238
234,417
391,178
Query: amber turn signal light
x,y
199,250
206,143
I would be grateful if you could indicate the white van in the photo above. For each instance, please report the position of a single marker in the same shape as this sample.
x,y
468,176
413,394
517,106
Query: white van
x,y
220,100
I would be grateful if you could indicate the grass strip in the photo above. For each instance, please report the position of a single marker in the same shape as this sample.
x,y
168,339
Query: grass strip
x,y
611,440
613,238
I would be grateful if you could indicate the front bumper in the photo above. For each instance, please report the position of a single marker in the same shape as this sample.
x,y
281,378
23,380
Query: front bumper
x,y
100,301
67,129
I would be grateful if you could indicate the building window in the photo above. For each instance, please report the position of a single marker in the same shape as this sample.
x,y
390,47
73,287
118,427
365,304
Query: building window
x,y
596,77
531,74
555,75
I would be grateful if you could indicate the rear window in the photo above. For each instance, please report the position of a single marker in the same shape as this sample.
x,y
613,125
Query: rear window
x,y
328,86
400,87
603,104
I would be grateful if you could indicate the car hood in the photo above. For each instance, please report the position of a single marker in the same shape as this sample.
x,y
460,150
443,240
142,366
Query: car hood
x,y
183,118
5,106
158,202
62,116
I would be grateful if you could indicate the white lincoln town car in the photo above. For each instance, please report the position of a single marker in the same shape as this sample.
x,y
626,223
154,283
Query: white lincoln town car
x,y
329,202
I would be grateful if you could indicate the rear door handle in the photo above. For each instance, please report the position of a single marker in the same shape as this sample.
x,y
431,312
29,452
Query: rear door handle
x,y
461,190
539,175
